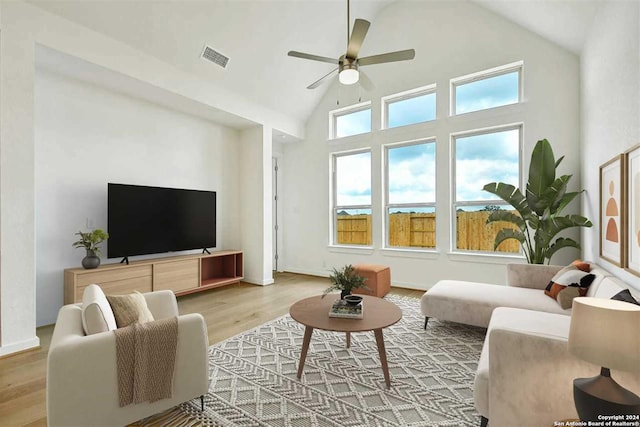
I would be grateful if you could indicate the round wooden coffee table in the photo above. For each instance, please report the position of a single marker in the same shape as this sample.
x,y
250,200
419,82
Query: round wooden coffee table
x,y
313,313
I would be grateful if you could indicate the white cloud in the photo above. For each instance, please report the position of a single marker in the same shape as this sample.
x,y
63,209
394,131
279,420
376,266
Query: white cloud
x,y
353,175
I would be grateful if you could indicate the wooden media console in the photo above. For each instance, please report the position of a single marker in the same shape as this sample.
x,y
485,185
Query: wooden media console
x,y
181,274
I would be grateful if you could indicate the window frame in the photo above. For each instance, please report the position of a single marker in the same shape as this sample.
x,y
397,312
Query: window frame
x,y
334,196
483,75
344,111
473,203
386,205
403,96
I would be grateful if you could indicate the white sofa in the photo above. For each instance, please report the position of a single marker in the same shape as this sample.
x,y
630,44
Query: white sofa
x,y
82,387
472,303
525,372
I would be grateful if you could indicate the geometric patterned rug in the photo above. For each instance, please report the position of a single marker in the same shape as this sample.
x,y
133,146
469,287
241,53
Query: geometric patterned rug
x,y
253,376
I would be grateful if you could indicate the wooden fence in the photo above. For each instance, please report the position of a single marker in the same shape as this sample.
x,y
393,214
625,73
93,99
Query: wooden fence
x,y
419,230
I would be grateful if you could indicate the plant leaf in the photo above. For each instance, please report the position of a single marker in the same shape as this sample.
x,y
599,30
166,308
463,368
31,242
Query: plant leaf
x,y
506,234
556,191
511,195
506,216
560,243
566,199
542,173
554,225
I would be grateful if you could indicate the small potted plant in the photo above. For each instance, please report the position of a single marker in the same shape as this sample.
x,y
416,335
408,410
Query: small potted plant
x,y
90,241
345,280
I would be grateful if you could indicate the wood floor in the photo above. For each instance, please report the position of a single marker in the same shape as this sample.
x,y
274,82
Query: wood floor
x,y
228,311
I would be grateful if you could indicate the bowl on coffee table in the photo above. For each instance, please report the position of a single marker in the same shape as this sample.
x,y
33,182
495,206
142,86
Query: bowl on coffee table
x,y
353,299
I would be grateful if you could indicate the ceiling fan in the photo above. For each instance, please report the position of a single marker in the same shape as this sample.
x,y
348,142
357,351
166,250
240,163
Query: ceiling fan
x,y
349,63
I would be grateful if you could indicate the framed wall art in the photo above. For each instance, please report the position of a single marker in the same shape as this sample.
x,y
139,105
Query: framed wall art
x,y
612,211
632,252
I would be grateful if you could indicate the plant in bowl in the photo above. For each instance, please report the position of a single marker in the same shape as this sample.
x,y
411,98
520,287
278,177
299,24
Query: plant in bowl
x,y
345,280
90,241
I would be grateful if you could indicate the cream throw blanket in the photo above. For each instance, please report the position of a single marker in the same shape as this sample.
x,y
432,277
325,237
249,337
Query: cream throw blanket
x,y
145,356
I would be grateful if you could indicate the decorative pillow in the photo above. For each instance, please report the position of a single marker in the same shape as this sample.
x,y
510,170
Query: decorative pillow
x,y
626,297
565,296
571,277
129,309
581,265
575,265
97,315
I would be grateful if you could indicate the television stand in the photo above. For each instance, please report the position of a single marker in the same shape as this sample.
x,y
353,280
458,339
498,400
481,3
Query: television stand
x,y
184,274
205,251
125,260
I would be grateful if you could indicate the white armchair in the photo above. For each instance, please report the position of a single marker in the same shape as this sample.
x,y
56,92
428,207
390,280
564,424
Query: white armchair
x,y
82,384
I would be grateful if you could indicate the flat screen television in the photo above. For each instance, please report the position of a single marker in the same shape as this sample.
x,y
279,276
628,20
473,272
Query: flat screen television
x,y
148,220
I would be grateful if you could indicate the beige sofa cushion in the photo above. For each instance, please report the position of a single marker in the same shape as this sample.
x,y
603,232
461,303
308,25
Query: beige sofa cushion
x,y
472,303
129,309
608,287
527,321
97,315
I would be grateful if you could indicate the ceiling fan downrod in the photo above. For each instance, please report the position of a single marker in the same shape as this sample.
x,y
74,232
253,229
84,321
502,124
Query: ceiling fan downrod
x,y
348,22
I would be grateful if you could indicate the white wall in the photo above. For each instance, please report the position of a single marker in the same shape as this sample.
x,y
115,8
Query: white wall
x,y
610,65
17,226
23,26
86,137
451,39
256,209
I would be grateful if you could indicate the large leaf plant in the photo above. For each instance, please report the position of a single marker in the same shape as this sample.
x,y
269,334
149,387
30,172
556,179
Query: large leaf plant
x,y
539,218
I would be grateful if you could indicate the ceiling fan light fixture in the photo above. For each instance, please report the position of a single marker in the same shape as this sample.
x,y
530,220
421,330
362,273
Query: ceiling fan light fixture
x,y
349,76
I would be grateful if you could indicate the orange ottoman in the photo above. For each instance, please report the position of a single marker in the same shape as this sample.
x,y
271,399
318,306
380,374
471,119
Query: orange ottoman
x,y
378,279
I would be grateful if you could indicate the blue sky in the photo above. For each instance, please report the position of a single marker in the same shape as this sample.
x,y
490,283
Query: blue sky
x,y
479,159
354,123
412,174
413,110
353,179
487,93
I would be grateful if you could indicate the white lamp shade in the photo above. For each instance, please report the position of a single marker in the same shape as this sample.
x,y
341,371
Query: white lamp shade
x,y
606,332
348,76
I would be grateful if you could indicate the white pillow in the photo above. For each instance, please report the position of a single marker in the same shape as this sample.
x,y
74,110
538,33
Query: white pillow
x,y
97,315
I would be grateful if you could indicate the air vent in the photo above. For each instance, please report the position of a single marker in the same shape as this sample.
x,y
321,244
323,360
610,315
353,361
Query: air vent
x,y
214,56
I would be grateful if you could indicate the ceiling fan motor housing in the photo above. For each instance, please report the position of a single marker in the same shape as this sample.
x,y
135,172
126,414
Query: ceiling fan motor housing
x,y
348,64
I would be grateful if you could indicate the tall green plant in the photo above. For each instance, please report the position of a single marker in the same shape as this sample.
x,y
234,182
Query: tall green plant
x,y
539,219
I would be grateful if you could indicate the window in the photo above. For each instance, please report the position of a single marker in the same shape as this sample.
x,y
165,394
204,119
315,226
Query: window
x,y
487,89
352,120
352,198
408,108
480,158
411,194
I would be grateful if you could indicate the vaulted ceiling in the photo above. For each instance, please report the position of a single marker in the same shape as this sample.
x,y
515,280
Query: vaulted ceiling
x,y
256,36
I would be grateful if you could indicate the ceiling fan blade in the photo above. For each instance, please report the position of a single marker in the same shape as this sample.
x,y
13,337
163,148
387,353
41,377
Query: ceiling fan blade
x,y
321,80
312,57
360,28
365,82
400,55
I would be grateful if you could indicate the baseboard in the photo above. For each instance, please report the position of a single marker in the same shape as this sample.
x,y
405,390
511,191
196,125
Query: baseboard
x,y
261,282
408,285
319,273
323,273
19,347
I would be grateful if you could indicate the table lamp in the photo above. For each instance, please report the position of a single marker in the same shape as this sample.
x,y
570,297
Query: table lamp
x,y
607,333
